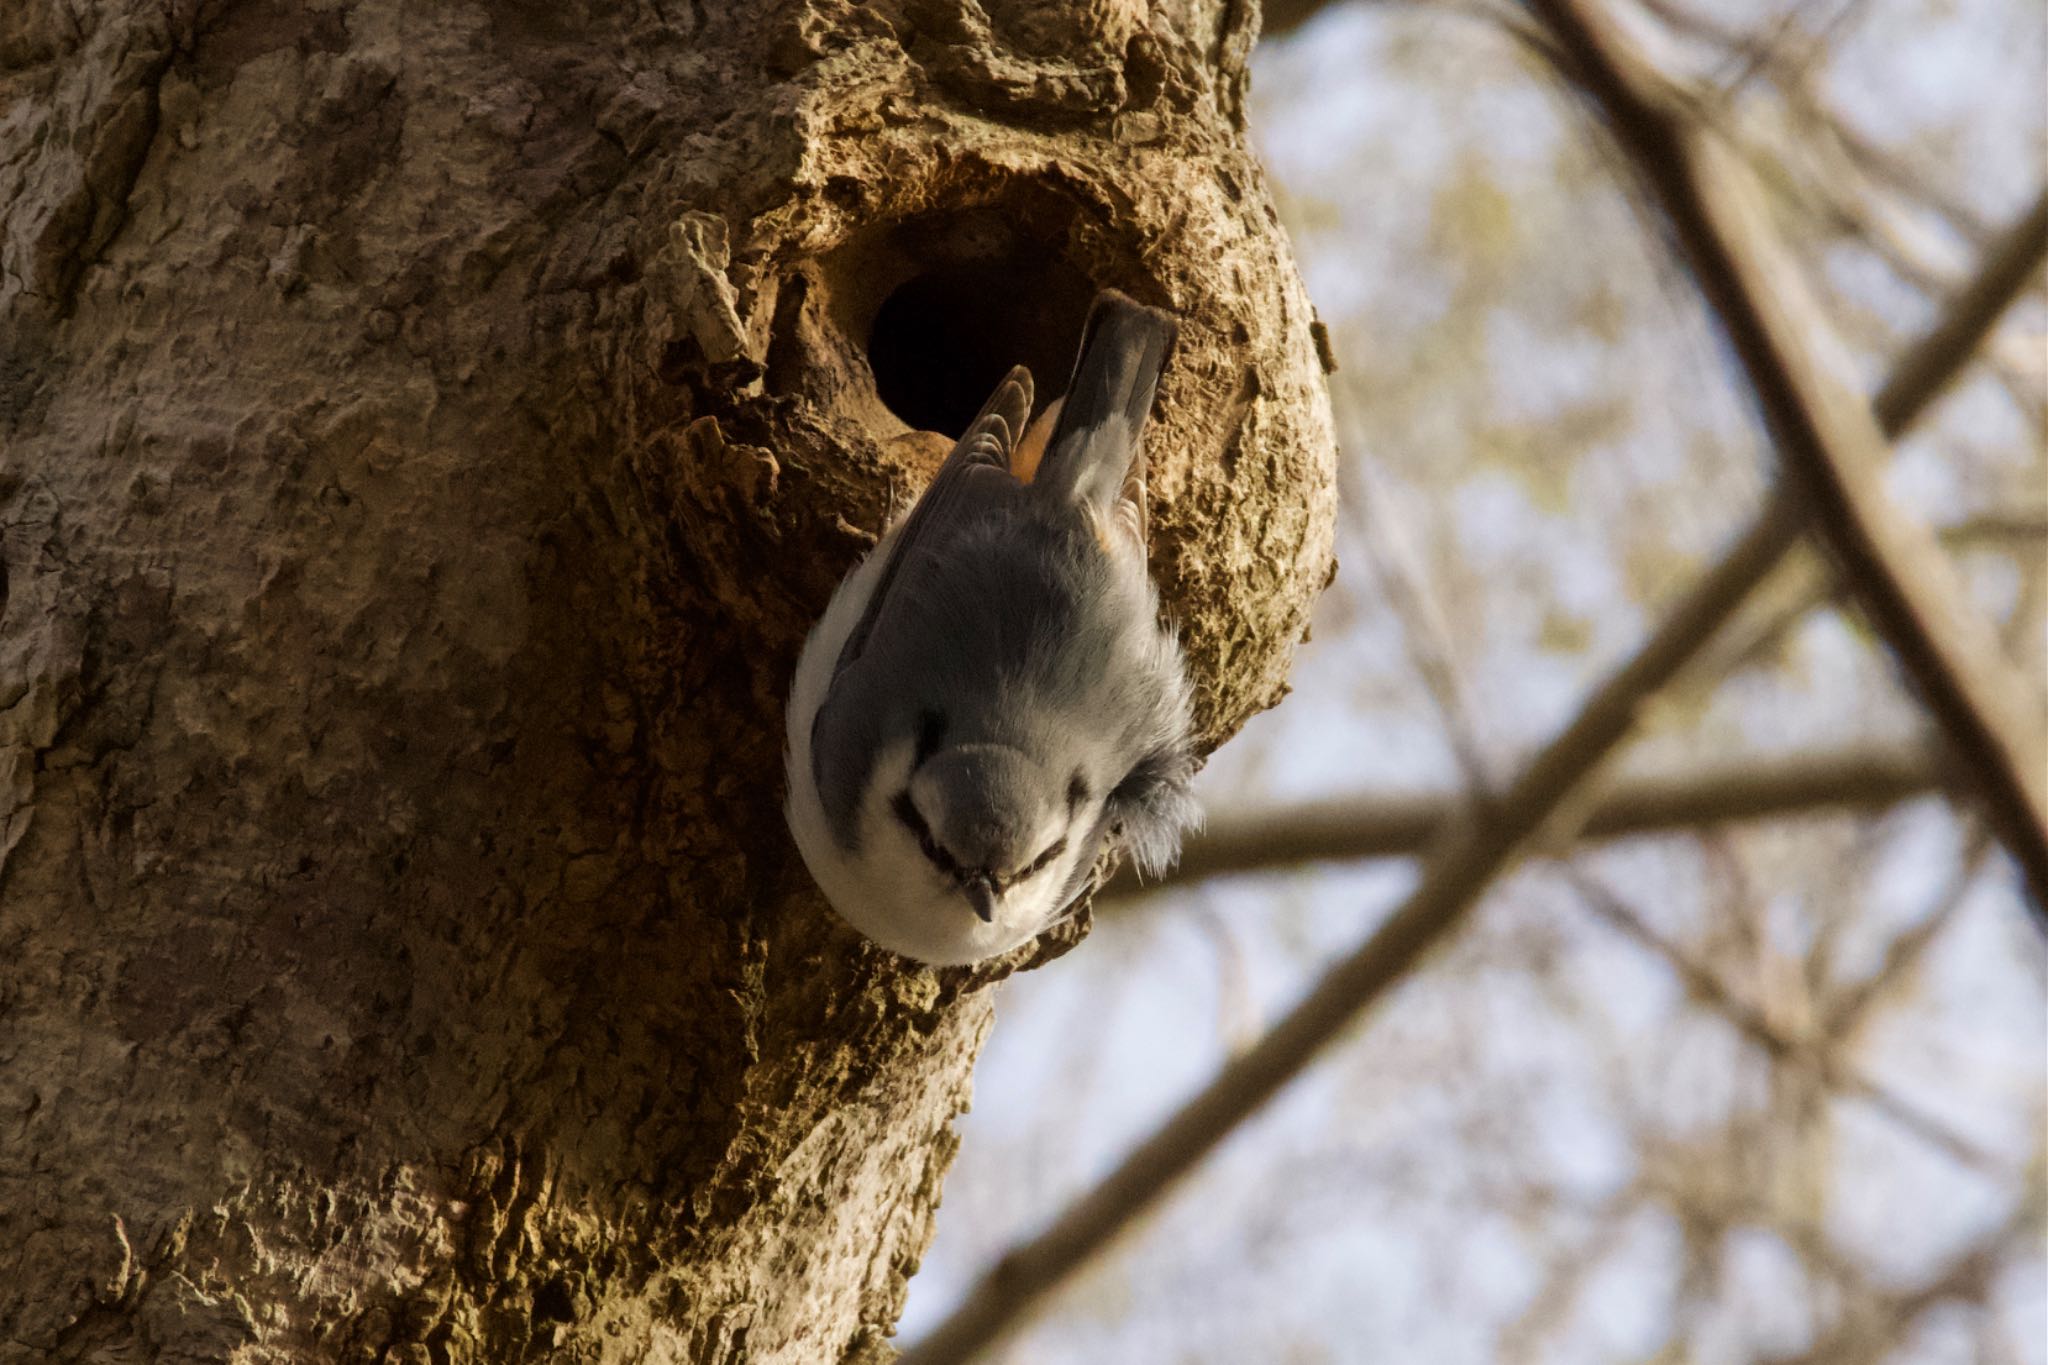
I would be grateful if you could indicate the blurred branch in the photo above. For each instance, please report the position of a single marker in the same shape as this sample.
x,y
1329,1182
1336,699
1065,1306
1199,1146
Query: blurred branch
x,y
1874,1333
1393,826
1846,1014
1466,859
2003,272
1986,531
1932,363
1528,1335
1469,855
1994,528
1784,50
1852,185
1838,194
1790,74
1425,634
1754,1024
1926,264
1349,829
1880,176
1830,450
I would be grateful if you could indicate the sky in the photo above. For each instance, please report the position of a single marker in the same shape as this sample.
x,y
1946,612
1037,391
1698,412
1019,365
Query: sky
x,y
1542,1146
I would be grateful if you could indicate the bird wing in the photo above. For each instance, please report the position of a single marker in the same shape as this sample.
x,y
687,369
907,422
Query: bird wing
x,y
959,490
844,731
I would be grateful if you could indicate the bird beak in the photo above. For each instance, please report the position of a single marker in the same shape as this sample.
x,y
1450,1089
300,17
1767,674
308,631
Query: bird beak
x,y
982,897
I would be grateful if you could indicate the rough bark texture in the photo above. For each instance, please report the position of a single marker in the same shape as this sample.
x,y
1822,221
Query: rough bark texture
x,y
426,432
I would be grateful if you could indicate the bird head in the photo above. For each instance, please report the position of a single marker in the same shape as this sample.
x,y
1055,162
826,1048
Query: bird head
x,y
989,818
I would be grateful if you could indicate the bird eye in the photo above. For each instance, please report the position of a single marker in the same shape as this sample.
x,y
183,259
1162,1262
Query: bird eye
x,y
1077,791
913,820
931,733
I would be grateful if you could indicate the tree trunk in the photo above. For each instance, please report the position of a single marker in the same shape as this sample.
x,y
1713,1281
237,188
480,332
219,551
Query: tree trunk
x,y
426,433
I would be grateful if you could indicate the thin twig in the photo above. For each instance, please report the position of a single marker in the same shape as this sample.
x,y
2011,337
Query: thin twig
x,y
1853,1004
1755,643
1774,49
1754,1024
1830,450
1424,632
1876,162
1873,1333
1355,828
1467,860
1352,828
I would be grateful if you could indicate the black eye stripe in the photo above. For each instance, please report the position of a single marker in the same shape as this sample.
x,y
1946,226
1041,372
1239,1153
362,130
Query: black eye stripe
x,y
1039,863
931,733
913,820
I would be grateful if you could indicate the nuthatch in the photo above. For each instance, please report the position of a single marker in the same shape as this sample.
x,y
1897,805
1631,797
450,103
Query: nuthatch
x,y
990,697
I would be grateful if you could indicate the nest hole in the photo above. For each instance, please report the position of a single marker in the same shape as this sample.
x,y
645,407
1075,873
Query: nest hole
x,y
942,340
947,303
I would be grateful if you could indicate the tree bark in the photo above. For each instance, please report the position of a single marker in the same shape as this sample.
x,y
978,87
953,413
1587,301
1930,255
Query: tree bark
x,y
426,433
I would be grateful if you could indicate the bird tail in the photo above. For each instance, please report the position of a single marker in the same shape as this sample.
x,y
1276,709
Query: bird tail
x,y
1124,346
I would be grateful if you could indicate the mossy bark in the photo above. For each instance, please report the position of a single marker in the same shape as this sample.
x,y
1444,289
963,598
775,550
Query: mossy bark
x,y
426,432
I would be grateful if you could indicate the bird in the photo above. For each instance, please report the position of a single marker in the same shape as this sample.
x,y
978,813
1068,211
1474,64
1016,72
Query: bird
x,y
991,698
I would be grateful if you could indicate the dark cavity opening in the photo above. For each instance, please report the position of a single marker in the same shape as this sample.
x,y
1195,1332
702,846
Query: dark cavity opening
x,y
943,340
959,298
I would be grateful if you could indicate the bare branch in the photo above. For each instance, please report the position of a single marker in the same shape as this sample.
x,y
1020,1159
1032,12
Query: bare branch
x,y
1564,1281
1478,847
1996,530
1787,52
1830,450
1424,631
1780,1047
1925,370
1465,861
1846,189
1393,826
1902,957
1873,1333
1354,828
1791,79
